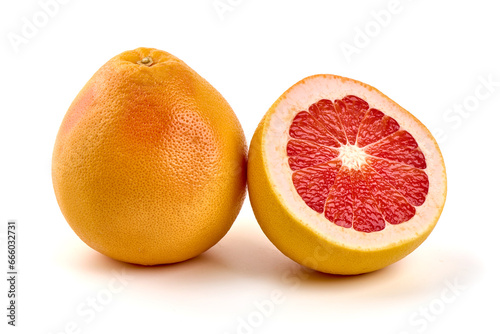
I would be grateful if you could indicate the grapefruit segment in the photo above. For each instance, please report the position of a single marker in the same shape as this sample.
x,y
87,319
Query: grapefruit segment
x,y
410,182
305,127
367,215
339,204
304,154
336,167
351,110
314,183
324,111
393,206
374,127
401,147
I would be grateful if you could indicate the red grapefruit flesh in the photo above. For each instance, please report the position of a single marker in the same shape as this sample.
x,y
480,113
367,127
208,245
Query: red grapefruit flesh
x,y
349,190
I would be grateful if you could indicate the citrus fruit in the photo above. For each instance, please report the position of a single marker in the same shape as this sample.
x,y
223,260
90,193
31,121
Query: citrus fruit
x,y
342,179
149,164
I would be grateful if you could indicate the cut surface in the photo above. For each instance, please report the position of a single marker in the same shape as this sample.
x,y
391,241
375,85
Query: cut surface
x,y
344,155
349,164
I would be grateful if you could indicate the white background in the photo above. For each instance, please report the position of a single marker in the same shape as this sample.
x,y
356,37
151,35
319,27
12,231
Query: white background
x,y
432,57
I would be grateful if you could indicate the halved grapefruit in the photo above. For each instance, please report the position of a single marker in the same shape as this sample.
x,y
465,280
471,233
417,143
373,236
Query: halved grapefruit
x,y
342,179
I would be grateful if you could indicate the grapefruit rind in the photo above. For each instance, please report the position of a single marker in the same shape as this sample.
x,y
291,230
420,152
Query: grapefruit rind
x,y
303,234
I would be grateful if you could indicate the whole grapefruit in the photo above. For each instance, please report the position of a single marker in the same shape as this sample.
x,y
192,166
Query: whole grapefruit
x,y
149,164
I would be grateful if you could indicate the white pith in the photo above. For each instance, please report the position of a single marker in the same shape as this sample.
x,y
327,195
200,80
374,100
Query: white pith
x,y
352,156
276,137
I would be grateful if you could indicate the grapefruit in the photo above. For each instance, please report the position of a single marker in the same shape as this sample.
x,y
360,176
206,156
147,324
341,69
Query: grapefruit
x,y
149,164
342,179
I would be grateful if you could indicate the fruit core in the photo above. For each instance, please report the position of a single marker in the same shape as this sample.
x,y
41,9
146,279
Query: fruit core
x,y
352,156
355,165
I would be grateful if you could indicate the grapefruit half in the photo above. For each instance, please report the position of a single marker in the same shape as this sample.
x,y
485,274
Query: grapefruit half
x,y
342,179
